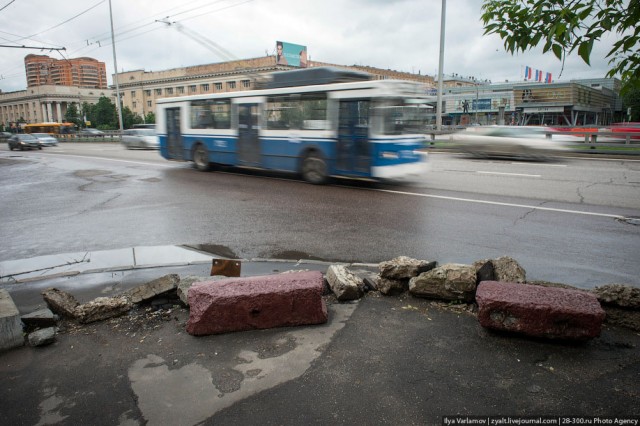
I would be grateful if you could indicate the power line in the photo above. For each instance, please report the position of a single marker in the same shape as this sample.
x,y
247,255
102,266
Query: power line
x,y
32,47
7,5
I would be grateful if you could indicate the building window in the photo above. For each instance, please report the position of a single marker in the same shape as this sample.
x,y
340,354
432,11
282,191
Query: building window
x,y
149,104
218,86
158,92
148,92
231,84
204,87
133,93
134,104
192,88
180,90
246,83
168,91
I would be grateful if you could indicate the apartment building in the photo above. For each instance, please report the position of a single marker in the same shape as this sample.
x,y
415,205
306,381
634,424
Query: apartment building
x,y
43,70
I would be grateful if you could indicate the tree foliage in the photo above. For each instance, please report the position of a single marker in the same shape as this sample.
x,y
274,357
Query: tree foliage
x,y
566,26
631,99
72,115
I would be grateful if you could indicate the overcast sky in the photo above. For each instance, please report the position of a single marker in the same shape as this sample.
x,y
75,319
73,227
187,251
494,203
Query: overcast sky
x,y
402,35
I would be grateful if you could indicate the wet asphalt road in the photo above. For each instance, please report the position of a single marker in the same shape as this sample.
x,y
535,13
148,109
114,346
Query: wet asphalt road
x,y
562,221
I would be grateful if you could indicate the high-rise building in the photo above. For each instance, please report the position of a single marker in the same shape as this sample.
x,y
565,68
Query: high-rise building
x,y
79,72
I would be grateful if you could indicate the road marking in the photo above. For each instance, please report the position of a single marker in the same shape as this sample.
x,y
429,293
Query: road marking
x,y
507,174
497,203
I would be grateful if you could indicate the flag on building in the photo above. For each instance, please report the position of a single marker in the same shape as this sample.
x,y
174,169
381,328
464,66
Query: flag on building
x,y
527,73
547,78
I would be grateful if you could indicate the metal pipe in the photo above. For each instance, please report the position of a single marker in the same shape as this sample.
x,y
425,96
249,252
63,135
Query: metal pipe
x,y
440,66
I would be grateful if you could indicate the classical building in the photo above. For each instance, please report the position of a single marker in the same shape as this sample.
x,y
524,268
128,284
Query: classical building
x,y
79,72
44,103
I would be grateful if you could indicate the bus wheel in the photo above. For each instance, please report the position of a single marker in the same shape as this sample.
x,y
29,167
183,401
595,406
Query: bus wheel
x,y
201,158
314,169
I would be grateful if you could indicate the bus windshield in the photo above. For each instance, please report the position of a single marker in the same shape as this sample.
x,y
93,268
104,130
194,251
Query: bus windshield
x,y
400,116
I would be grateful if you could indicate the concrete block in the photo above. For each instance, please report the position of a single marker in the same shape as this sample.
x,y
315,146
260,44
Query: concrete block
x,y
10,324
237,304
537,311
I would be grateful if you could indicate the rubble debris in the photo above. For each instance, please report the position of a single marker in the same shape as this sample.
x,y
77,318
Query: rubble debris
x,y
102,308
404,268
452,281
344,284
42,337
153,288
61,302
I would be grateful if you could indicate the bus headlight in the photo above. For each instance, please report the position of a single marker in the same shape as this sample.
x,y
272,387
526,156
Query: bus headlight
x,y
389,155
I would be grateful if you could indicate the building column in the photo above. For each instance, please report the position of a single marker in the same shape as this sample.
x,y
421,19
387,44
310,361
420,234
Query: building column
x,y
59,111
49,111
44,111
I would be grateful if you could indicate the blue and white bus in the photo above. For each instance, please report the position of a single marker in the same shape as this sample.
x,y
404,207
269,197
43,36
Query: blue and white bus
x,y
303,122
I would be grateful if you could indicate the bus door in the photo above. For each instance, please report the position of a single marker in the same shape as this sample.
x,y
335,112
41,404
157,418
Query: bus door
x,y
249,153
174,137
353,150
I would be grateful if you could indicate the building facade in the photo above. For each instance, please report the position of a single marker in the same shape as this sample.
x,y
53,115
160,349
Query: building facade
x,y
140,89
573,103
42,70
44,103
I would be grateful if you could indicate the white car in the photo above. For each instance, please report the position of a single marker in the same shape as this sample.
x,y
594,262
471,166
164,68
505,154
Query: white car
x,y
140,138
46,139
528,142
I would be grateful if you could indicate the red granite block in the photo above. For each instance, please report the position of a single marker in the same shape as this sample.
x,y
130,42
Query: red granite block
x,y
555,313
237,304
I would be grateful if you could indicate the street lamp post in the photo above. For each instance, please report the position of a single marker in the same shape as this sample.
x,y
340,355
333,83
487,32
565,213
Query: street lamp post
x,y
115,75
440,65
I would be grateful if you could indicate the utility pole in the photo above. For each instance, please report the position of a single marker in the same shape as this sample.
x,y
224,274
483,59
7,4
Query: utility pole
x,y
440,65
115,75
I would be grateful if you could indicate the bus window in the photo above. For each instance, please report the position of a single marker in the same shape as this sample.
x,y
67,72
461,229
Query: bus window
x,y
211,114
306,111
396,117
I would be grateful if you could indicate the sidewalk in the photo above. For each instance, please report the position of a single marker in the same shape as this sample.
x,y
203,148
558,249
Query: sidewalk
x,y
381,360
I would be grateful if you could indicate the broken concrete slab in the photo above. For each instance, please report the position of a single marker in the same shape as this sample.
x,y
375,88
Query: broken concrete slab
x,y
42,337
452,281
41,318
505,269
620,295
10,324
391,287
344,284
404,268
102,308
153,288
259,302
61,302
548,312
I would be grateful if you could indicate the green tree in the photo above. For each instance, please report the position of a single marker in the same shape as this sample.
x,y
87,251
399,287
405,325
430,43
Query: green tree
x,y
566,26
105,115
631,99
88,113
150,118
130,118
72,115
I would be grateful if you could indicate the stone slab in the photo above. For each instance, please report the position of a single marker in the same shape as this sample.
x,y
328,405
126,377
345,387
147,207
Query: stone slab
x,y
537,311
260,302
10,324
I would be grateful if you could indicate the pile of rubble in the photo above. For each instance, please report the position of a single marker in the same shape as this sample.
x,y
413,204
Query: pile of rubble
x,y
496,289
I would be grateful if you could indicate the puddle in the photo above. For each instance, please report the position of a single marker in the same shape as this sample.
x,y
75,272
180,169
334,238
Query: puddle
x,y
215,249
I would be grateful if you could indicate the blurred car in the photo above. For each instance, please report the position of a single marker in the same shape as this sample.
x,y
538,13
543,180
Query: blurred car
x,y
23,141
525,142
46,139
90,132
140,138
5,135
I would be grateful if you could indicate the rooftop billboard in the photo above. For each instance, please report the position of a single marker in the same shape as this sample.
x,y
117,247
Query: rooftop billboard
x,y
291,54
